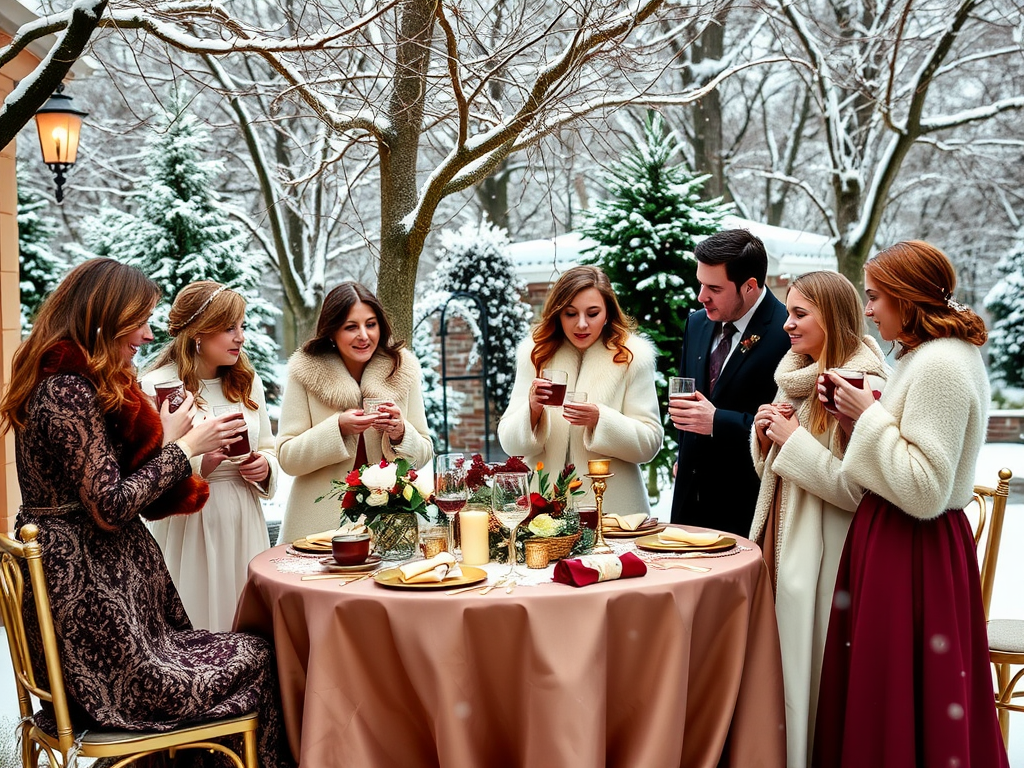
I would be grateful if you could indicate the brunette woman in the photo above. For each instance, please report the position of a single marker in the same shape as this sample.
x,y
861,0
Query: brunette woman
x,y
805,503
584,332
93,455
905,679
208,553
325,431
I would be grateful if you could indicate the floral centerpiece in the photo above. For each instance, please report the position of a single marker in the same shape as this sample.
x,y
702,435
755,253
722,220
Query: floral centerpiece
x,y
390,497
550,505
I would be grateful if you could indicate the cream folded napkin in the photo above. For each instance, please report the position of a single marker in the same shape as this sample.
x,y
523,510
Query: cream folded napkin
x,y
350,528
623,522
679,536
438,568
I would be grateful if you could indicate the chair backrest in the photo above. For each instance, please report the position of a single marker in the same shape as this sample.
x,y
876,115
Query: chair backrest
x,y
993,520
14,555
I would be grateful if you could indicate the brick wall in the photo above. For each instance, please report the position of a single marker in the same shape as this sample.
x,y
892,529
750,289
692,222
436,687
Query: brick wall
x,y
1005,427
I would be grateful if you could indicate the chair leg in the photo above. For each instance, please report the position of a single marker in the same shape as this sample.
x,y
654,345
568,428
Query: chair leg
x,y
1003,682
249,745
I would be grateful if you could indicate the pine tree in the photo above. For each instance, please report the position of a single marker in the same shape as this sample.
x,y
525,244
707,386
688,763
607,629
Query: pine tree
x,y
646,232
476,260
1006,303
40,269
425,347
180,234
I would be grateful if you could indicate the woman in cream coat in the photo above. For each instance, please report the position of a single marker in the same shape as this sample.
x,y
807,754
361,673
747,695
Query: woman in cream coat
x,y
584,332
805,504
324,432
905,678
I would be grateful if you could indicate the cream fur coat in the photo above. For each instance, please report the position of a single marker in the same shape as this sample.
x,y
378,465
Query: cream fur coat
x,y
628,431
917,447
817,505
310,446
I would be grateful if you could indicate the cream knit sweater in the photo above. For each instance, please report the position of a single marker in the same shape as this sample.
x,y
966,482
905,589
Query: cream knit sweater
x,y
918,445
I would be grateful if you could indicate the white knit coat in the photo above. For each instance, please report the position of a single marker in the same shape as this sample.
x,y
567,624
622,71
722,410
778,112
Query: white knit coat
x,y
628,431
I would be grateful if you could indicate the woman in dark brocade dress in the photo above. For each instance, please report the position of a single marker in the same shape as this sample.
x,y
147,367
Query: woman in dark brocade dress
x,y
906,681
93,455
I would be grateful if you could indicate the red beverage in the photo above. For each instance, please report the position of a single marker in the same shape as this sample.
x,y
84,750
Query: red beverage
x,y
450,505
239,447
557,396
173,391
588,517
856,378
350,550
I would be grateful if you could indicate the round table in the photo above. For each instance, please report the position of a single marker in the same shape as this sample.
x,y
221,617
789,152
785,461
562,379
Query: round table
x,y
676,668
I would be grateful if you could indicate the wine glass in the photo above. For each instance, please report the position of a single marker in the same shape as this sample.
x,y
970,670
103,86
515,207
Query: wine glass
x,y
450,491
510,502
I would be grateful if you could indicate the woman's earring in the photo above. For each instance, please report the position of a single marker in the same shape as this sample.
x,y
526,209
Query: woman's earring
x,y
199,345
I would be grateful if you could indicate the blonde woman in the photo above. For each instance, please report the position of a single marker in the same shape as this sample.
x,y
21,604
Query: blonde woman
x,y
583,331
324,431
805,504
208,553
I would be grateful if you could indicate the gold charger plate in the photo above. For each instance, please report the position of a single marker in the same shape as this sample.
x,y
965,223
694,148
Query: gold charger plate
x,y
302,545
634,534
372,563
652,544
470,575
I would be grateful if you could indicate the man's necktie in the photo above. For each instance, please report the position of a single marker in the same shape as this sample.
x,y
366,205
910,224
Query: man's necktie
x,y
721,352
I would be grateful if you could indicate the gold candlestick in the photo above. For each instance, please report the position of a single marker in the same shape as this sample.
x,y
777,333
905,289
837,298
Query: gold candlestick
x,y
600,484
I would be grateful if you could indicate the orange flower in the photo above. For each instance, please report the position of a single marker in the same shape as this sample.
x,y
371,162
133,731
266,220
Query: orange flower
x,y
540,466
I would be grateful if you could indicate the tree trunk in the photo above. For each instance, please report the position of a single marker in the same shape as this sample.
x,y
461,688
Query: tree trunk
x,y
492,194
401,243
707,114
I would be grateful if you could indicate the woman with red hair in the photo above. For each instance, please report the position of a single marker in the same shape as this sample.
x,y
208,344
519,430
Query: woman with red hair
x,y
905,679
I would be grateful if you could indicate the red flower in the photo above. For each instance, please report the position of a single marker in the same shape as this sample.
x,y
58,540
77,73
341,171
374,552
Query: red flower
x,y
352,478
539,506
383,463
348,500
412,474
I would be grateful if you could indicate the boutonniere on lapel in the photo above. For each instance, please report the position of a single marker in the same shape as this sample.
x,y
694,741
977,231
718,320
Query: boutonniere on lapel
x,y
748,343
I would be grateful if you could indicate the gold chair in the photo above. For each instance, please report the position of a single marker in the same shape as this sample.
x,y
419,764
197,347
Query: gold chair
x,y
60,747
1005,636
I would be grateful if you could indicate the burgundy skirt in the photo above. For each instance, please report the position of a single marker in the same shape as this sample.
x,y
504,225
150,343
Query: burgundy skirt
x,y
906,680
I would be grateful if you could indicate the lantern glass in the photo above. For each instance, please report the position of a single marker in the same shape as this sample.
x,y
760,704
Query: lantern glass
x,y
58,136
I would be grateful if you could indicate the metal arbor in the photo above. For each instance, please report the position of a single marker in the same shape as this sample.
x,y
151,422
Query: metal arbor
x,y
482,376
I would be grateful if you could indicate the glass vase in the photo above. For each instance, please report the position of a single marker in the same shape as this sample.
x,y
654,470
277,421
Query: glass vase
x,y
395,535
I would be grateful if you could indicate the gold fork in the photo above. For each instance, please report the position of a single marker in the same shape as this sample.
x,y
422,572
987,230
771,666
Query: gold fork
x,y
676,565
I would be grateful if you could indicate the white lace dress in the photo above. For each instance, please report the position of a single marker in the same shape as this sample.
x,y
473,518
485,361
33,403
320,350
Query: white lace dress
x,y
208,553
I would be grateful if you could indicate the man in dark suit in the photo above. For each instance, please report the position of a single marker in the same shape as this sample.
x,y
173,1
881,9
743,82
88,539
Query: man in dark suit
x,y
716,486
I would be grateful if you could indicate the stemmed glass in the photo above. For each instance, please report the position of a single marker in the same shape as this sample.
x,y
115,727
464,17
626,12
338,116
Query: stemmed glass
x,y
450,491
510,502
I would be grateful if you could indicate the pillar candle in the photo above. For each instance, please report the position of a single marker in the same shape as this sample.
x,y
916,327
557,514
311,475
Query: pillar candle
x,y
473,527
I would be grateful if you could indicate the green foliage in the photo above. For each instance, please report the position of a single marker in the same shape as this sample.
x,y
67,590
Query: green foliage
x,y
40,269
180,233
646,232
1006,303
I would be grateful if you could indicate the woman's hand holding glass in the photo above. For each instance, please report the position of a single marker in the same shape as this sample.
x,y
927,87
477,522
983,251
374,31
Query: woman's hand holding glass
x,y
255,468
580,413
775,422
849,400
176,425
390,421
355,422
213,434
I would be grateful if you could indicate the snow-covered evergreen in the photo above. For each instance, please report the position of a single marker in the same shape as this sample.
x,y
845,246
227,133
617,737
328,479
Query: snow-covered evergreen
x,y
476,259
178,234
646,231
1006,304
40,268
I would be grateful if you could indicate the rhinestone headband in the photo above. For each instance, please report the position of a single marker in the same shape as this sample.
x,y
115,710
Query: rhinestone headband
x,y
198,312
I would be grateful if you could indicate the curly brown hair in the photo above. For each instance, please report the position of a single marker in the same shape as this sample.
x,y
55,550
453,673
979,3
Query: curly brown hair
x,y
94,307
548,335
921,281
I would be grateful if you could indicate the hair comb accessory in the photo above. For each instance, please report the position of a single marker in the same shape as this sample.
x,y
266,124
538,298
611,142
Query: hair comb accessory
x,y
176,329
953,304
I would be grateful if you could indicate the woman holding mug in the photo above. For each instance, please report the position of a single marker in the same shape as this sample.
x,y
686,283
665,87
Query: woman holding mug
x,y
585,334
906,679
325,431
208,553
805,503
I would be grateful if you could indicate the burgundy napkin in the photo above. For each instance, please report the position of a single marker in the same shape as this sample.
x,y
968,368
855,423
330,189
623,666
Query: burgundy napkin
x,y
590,569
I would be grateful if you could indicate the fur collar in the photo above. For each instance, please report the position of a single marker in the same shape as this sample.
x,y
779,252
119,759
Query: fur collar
x,y
326,378
135,430
595,370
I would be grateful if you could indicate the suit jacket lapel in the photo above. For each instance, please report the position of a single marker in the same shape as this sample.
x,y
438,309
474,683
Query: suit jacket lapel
x,y
756,327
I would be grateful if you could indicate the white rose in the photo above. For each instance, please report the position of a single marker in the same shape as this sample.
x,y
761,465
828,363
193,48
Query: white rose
x,y
377,498
380,478
424,483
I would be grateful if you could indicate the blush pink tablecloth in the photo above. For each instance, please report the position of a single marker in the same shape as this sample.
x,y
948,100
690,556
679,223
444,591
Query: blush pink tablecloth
x,y
665,670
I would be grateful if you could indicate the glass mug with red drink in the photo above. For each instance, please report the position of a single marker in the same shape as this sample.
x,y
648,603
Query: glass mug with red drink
x,y
681,386
172,391
239,449
556,389
856,378
588,516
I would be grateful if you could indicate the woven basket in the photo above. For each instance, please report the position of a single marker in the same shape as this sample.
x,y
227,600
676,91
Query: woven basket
x,y
540,550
